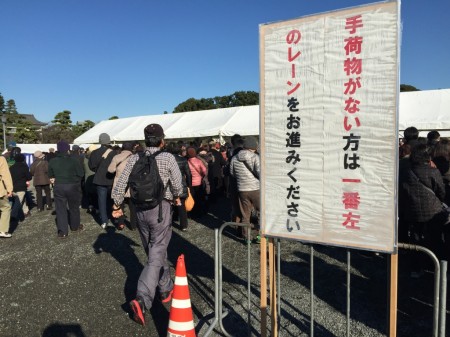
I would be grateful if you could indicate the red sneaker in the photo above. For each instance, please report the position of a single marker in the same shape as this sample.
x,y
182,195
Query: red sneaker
x,y
166,296
138,311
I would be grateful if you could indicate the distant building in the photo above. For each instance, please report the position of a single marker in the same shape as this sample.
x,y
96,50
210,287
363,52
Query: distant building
x,y
11,129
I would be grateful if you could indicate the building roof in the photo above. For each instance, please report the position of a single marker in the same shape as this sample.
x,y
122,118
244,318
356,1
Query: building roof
x,y
33,120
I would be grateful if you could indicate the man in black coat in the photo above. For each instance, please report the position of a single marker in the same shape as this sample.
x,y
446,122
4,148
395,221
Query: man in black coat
x,y
20,174
421,192
99,161
215,170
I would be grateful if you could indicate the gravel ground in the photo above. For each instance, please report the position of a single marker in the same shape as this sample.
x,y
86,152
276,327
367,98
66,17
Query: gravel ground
x,y
80,286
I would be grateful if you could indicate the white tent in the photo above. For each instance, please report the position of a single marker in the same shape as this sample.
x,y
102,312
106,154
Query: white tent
x,y
207,123
426,110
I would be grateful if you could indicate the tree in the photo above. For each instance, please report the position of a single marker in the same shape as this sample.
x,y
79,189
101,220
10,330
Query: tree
x,y
18,127
244,98
62,119
407,87
239,98
2,104
54,134
81,127
113,117
26,133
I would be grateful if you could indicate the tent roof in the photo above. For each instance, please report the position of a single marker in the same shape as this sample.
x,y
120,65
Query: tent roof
x,y
426,110
193,124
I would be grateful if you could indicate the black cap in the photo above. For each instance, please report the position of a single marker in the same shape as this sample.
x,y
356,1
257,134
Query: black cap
x,y
153,130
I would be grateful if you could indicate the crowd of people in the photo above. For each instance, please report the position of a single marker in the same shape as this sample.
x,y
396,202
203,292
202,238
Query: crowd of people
x,y
102,180
424,193
74,178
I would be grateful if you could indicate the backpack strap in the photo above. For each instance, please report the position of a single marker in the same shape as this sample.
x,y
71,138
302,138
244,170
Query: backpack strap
x,y
160,217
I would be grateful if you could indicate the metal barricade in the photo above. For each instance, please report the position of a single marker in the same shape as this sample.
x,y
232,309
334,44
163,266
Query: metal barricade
x,y
440,286
440,289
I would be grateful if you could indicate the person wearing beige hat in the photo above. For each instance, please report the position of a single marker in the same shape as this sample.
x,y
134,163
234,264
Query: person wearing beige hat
x,y
41,181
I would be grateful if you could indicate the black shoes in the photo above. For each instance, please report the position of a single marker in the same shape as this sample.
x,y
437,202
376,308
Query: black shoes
x,y
79,229
61,235
138,308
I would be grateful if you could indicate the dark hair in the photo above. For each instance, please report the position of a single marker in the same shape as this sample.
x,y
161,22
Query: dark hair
x,y
411,133
153,141
129,146
177,148
20,158
234,138
239,142
433,137
15,151
442,149
420,154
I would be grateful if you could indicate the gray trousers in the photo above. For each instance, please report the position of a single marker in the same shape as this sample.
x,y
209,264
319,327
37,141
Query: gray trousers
x,y
155,239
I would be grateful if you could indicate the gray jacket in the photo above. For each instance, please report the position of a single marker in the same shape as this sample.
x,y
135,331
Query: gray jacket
x,y
245,168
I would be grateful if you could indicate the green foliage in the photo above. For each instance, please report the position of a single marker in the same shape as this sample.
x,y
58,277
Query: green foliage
x,y
239,98
81,127
113,117
407,87
54,133
62,119
2,104
26,133
10,107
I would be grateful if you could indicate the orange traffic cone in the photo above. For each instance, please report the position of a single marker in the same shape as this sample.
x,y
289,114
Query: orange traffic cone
x,y
181,320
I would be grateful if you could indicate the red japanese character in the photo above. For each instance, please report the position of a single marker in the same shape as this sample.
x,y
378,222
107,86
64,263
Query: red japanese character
x,y
290,92
351,220
292,57
353,66
351,105
350,200
293,37
348,126
352,85
353,23
353,45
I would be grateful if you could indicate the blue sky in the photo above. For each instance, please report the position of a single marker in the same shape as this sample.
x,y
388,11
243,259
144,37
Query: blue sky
x,y
100,58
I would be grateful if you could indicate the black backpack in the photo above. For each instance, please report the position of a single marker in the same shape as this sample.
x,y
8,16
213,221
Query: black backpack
x,y
146,186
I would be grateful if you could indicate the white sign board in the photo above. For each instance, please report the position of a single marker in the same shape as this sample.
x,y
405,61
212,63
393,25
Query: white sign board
x,y
329,101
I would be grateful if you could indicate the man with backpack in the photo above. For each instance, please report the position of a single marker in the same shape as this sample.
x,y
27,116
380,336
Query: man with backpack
x,y
155,185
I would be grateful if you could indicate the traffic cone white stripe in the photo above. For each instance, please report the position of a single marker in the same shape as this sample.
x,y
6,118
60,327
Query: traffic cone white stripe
x,y
181,304
181,281
181,318
181,326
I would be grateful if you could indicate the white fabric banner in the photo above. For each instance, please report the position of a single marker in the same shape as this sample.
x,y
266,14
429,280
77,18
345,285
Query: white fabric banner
x,y
329,127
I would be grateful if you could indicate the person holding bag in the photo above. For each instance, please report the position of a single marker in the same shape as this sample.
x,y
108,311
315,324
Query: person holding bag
x,y
41,181
198,171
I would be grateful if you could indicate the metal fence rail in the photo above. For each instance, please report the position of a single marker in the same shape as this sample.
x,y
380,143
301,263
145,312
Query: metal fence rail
x,y
439,300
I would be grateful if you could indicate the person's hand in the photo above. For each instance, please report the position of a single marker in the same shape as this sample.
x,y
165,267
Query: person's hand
x,y
177,201
117,213
9,194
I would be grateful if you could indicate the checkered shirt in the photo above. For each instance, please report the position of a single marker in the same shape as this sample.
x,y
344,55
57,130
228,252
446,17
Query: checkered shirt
x,y
168,170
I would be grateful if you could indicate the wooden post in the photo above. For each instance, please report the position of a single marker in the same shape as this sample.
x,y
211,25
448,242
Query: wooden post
x,y
263,268
273,289
392,295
